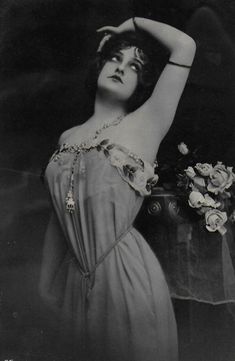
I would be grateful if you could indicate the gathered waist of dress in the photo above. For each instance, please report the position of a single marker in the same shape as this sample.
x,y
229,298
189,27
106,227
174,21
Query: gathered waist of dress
x,y
88,274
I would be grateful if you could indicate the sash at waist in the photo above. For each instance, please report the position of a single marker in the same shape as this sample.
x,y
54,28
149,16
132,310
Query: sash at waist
x,y
87,276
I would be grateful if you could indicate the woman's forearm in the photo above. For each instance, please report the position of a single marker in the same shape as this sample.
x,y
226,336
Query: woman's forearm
x,y
181,46
54,252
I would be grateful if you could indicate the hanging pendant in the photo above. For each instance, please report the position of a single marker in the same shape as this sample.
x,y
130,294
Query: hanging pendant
x,y
70,203
77,149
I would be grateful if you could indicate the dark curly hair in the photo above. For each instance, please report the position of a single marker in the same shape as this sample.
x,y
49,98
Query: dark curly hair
x,y
155,56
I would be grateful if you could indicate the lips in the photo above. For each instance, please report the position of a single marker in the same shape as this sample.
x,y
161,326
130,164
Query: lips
x,y
116,77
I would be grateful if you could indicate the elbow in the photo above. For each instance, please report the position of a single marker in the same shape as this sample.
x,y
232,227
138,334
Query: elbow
x,y
184,50
187,44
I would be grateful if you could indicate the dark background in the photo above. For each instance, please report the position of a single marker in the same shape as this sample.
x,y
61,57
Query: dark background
x,y
45,48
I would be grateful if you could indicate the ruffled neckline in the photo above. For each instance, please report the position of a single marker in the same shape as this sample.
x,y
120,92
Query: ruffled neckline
x,y
85,146
137,172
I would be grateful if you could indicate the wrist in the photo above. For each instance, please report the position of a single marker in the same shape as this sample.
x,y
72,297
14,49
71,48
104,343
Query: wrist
x,y
127,25
135,24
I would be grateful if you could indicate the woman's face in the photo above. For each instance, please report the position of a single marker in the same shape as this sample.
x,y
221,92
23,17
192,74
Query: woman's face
x,y
119,74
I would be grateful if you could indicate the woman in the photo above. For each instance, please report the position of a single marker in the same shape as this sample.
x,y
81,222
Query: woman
x,y
114,302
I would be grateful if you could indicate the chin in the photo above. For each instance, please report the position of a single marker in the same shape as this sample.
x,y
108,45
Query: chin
x,y
114,92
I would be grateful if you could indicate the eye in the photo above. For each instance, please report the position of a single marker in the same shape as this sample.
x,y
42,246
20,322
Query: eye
x,y
135,67
115,58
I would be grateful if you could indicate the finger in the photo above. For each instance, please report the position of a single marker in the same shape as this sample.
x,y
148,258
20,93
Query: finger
x,y
103,41
103,28
108,29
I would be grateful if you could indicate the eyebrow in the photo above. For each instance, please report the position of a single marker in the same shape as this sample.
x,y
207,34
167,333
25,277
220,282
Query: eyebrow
x,y
139,61
134,58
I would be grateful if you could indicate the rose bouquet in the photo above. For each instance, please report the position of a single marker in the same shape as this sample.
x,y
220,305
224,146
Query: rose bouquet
x,y
209,191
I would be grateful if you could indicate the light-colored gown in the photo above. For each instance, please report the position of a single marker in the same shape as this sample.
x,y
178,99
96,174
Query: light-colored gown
x,y
114,298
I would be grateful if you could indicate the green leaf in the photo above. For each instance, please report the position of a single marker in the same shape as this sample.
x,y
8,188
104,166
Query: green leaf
x,y
128,166
106,152
104,142
110,146
133,169
125,170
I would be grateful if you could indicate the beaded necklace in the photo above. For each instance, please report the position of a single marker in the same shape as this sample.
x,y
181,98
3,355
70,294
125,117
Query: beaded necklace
x,y
84,146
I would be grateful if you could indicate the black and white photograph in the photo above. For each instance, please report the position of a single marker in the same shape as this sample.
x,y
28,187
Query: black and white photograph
x,y
117,180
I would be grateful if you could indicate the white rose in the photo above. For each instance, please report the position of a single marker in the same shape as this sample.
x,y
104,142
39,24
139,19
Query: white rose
x,y
140,179
215,220
221,178
196,199
199,181
210,202
204,169
190,172
117,157
183,149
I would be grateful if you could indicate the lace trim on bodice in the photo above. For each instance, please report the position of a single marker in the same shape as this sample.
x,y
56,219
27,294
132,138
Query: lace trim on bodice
x,y
135,171
138,173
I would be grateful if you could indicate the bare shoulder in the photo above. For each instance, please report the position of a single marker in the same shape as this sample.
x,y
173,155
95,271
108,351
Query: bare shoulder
x,y
66,134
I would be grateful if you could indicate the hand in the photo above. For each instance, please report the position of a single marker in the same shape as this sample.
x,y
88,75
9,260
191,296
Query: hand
x,y
111,30
128,25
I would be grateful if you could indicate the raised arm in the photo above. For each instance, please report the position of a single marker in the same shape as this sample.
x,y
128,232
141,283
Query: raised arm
x,y
162,104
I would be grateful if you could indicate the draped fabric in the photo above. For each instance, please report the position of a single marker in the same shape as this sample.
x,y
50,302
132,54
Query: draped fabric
x,y
113,295
198,265
205,271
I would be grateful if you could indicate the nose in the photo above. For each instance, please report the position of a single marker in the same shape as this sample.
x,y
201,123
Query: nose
x,y
120,68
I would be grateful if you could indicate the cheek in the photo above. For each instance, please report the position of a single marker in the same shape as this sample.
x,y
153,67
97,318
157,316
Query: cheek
x,y
102,75
108,66
135,84
102,72
132,80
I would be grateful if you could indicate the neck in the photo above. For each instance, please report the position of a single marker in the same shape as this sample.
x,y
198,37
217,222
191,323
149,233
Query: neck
x,y
107,109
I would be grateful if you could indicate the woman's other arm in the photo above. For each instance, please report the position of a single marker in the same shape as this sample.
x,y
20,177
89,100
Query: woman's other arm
x,y
54,252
